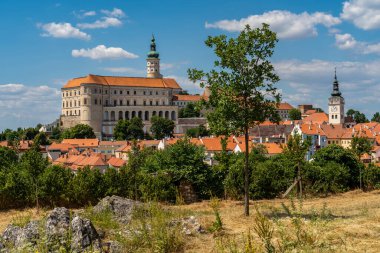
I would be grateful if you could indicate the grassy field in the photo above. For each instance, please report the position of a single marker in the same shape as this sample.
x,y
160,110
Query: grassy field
x,y
348,222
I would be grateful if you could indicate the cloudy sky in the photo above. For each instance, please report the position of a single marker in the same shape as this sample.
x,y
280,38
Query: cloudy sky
x,y
45,43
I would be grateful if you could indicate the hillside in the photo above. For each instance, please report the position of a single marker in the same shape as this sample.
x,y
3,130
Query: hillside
x,y
346,222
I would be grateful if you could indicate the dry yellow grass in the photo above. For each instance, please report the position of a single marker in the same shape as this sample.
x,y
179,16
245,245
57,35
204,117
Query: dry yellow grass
x,y
352,224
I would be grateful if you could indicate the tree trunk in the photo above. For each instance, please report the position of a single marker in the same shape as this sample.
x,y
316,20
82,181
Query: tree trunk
x,y
299,181
246,174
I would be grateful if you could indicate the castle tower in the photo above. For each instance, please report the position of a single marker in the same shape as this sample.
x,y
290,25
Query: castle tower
x,y
153,61
336,104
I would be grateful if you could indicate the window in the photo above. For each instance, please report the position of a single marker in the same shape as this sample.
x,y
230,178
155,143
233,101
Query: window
x,y
121,92
85,90
78,92
100,101
115,92
127,92
85,101
106,91
96,101
114,102
63,94
106,102
78,102
150,93
95,91
144,93
134,92
75,103
121,102
156,92
134,102
151,102
127,102
144,102
75,93
63,105
70,93
71,104
156,102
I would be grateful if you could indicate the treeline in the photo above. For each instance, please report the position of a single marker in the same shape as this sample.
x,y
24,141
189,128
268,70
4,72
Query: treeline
x,y
156,174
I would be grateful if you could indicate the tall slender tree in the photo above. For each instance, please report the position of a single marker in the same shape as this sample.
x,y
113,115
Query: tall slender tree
x,y
241,86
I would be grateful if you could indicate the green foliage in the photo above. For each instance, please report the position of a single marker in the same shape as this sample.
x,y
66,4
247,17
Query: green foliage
x,y
217,224
295,114
357,116
80,131
190,111
129,129
199,131
328,178
30,133
7,158
41,140
161,127
361,146
371,177
56,133
342,156
376,117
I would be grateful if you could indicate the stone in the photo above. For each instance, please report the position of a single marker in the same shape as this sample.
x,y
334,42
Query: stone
x,y
57,226
84,235
18,237
121,208
190,225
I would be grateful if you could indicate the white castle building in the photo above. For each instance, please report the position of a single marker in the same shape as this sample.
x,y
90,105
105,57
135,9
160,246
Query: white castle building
x,y
100,101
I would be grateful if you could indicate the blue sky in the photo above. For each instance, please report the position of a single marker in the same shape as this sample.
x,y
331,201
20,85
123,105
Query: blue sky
x,y
45,43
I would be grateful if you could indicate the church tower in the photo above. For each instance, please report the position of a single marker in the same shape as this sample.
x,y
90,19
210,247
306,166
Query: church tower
x,y
153,61
336,104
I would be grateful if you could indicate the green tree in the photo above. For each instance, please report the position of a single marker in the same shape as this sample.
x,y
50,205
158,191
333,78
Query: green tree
x,y
361,146
121,130
296,150
342,156
376,117
7,158
196,132
56,133
190,111
41,140
295,114
33,162
357,116
241,85
135,129
161,127
80,131
30,133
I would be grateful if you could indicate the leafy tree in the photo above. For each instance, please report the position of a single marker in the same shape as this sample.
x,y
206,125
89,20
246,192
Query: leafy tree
x,y
183,92
80,131
7,158
342,156
135,129
241,85
376,117
361,146
121,130
41,140
161,127
199,131
190,111
296,150
319,109
54,184
357,116
30,133
371,177
56,133
295,114
33,162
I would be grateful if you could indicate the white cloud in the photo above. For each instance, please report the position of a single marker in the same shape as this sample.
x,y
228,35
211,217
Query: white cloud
x,y
104,22
347,41
103,52
63,30
186,84
285,23
311,82
114,13
89,13
365,14
22,106
126,70
165,66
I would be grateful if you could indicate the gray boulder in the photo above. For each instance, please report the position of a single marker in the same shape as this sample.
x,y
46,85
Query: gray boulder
x,y
57,226
84,235
21,237
190,225
121,208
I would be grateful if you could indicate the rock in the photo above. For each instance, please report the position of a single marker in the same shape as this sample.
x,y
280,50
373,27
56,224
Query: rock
x,y
19,237
57,226
190,225
112,247
84,235
121,208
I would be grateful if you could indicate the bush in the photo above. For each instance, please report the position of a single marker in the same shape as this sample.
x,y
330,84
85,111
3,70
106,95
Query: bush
x,y
371,177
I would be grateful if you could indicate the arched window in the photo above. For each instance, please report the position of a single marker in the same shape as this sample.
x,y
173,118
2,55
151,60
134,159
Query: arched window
x,y
120,115
140,114
127,115
160,114
106,115
133,114
166,115
154,113
146,115
173,115
112,116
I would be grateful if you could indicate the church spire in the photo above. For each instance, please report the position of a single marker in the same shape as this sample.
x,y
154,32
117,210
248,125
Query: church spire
x,y
336,92
153,61
153,53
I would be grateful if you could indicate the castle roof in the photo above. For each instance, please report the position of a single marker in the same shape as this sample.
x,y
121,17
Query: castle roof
x,y
123,81
187,97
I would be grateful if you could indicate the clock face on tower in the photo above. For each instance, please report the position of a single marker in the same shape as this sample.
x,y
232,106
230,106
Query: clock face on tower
x,y
334,108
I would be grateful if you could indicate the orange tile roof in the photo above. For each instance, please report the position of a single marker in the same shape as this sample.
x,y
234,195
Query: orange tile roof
x,y
82,142
112,143
285,106
116,162
273,148
187,97
63,147
309,112
124,81
125,148
214,144
318,117
312,129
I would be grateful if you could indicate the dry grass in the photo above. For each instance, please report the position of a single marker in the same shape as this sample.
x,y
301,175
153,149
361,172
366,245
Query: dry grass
x,y
19,215
348,222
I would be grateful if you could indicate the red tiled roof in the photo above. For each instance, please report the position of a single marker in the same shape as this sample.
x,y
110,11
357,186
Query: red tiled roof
x,y
116,162
318,117
124,81
187,98
82,142
285,106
